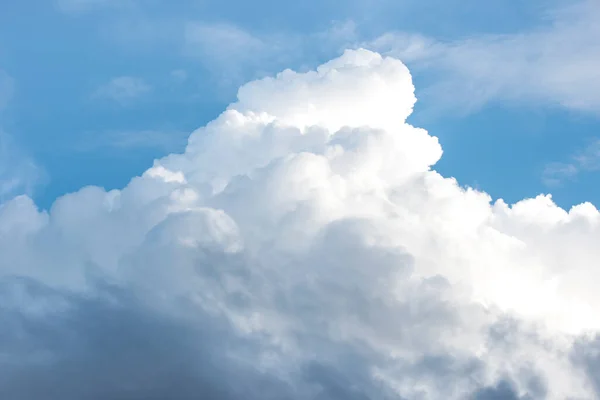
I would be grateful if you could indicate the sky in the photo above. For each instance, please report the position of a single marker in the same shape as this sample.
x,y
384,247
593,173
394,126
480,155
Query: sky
x,y
93,90
308,200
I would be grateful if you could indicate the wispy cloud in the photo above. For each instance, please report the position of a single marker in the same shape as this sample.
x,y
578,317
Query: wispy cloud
x,y
228,51
123,89
222,41
557,64
235,54
166,140
7,87
179,75
19,174
586,160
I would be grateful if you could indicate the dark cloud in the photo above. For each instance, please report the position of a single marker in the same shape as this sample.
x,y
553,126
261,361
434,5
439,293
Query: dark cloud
x,y
113,347
504,390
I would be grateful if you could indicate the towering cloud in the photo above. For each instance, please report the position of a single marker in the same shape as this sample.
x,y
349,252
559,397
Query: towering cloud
x,y
302,247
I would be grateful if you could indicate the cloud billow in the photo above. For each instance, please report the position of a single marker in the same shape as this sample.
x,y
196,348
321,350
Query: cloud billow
x,y
301,247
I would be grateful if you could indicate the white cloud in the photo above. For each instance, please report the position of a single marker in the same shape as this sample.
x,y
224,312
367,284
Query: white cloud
x,y
583,161
556,64
123,89
301,248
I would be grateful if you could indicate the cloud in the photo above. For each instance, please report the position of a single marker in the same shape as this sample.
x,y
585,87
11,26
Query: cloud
x,y
227,43
167,141
19,174
227,51
7,88
234,54
584,161
301,247
179,75
556,64
123,89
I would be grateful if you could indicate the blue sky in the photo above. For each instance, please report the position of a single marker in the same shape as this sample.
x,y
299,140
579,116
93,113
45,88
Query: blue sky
x,y
91,91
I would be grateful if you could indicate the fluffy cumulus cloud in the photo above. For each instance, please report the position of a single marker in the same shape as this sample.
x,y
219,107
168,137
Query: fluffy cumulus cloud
x,y
302,247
